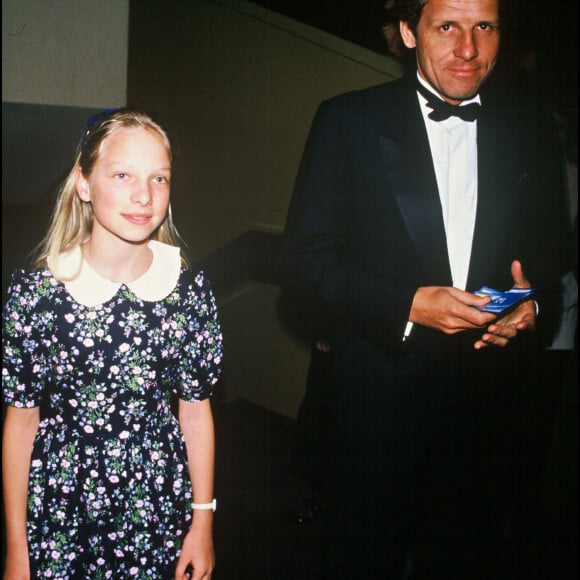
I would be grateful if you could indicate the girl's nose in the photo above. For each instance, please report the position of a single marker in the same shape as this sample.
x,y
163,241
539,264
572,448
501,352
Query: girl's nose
x,y
141,194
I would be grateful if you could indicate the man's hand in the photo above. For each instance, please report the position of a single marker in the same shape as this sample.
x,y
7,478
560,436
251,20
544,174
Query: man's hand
x,y
449,309
522,317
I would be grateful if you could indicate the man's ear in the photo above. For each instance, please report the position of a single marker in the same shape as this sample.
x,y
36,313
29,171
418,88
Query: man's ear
x,y
82,185
407,35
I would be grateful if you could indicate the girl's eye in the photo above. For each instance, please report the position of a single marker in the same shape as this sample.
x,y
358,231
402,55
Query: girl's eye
x,y
161,179
120,175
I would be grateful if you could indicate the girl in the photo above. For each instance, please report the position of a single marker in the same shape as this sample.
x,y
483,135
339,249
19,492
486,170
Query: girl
x,y
108,324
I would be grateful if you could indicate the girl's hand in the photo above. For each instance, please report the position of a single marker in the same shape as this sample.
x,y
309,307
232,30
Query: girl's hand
x,y
197,553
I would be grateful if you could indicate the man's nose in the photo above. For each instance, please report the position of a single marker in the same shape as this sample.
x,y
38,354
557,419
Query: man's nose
x,y
466,46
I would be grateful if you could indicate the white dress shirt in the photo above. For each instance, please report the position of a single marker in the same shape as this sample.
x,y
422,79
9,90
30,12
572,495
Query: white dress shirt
x,y
453,144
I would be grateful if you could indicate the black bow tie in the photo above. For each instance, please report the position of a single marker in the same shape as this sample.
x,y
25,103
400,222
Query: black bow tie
x,y
443,110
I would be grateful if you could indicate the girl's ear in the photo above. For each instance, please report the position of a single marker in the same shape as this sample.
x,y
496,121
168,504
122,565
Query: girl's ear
x,y
407,35
82,185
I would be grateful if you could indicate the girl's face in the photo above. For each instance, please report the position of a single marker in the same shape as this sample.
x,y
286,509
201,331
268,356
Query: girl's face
x,y
128,187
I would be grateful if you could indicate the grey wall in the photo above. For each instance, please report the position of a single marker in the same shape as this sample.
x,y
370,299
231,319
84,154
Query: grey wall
x,y
65,52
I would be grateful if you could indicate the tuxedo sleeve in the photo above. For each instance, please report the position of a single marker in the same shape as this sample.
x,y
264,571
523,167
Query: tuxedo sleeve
x,y
321,260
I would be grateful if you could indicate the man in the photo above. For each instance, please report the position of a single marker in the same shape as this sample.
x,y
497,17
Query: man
x,y
398,215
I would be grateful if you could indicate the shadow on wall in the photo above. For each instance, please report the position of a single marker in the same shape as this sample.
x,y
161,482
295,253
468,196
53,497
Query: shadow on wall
x,y
38,148
23,227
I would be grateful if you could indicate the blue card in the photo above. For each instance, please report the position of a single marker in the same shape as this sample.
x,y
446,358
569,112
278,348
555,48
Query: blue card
x,y
501,301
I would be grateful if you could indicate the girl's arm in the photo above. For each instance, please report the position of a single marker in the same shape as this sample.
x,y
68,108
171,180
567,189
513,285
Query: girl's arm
x,y
20,427
196,421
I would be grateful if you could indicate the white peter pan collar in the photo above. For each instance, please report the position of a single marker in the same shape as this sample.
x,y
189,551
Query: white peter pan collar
x,y
90,288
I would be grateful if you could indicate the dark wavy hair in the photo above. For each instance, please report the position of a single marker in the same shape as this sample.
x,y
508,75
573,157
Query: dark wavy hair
x,y
409,11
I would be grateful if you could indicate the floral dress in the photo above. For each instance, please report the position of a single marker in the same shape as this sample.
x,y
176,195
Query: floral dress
x,y
109,489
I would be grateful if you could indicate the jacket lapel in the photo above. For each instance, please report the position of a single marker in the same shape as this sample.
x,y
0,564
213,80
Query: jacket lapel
x,y
496,199
409,170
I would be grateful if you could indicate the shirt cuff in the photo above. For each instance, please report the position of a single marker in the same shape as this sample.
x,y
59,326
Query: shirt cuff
x,y
408,329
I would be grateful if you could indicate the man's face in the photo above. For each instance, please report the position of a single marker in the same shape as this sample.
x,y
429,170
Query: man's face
x,y
456,45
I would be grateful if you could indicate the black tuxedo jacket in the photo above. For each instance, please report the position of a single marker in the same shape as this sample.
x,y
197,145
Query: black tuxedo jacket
x,y
365,230
429,422
365,227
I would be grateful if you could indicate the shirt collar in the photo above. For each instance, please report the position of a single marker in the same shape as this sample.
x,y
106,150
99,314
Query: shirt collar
x,y
90,288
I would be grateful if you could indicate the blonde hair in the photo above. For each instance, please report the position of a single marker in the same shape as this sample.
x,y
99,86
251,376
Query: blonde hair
x,y
72,219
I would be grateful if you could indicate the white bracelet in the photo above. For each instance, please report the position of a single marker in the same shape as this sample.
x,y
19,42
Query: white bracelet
x,y
212,505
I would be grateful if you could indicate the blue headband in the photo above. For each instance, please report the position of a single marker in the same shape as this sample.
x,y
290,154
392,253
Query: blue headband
x,y
93,120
